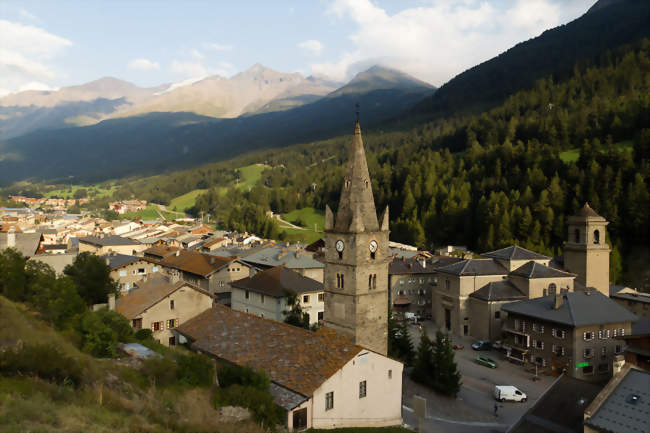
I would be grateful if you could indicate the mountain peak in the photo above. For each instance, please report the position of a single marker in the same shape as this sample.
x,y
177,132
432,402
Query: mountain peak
x,y
379,78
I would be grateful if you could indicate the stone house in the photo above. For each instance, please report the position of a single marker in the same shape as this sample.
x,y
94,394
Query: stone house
x,y
266,293
161,305
128,270
297,259
635,301
105,244
321,379
578,332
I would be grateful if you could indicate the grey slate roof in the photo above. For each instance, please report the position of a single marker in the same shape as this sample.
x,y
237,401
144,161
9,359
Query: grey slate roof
x,y
108,240
515,252
285,398
498,291
560,409
277,282
58,262
641,326
537,270
577,309
26,243
619,413
277,255
470,267
413,266
634,297
118,260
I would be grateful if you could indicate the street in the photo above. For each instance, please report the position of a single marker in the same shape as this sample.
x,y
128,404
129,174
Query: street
x,y
473,409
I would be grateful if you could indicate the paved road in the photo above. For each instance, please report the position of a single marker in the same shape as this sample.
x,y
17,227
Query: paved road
x,y
475,397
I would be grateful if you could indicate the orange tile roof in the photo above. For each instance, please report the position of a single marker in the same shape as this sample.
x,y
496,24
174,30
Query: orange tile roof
x,y
195,262
292,357
160,251
148,294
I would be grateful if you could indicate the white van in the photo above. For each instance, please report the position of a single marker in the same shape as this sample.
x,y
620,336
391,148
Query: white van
x,y
511,393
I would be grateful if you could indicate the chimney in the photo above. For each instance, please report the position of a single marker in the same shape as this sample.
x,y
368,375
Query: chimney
x,y
619,362
111,302
11,237
108,261
177,253
559,300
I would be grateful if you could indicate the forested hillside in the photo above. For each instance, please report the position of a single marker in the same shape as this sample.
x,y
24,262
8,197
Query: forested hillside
x,y
555,52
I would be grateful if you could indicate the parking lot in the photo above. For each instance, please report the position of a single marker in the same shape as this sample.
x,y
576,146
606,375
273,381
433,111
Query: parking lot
x,y
473,409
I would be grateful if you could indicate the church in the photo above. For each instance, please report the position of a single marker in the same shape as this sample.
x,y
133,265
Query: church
x,y
339,376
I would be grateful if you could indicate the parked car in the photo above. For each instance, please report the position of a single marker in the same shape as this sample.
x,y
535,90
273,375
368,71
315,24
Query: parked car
x,y
497,345
481,345
488,362
411,317
458,347
507,392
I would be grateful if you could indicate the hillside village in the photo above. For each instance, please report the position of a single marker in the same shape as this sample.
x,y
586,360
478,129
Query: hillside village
x,y
188,283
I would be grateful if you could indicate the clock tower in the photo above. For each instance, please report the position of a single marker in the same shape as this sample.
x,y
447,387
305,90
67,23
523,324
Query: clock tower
x,y
356,259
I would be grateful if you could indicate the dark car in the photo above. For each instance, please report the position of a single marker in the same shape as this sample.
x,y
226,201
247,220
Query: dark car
x,y
481,345
488,362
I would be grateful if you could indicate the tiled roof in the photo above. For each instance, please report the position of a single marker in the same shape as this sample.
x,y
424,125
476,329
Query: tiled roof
x,y
286,398
107,241
292,357
470,267
498,291
577,309
148,293
559,409
195,263
118,260
586,211
537,270
160,251
277,255
400,265
620,412
277,282
26,243
515,252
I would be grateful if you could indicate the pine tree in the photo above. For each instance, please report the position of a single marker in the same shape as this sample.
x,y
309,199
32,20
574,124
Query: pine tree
x,y
447,376
424,369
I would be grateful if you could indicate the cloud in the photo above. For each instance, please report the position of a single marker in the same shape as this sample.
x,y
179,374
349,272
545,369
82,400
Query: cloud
x,y
440,38
26,14
26,54
189,69
217,47
196,54
143,64
36,85
311,46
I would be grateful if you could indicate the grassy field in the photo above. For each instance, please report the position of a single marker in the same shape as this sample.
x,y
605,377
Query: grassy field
x,y
93,191
572,155
303,236
149,213
185,201
250,175
306,217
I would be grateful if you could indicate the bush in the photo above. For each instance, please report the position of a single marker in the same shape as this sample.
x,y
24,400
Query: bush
x,y
259,401
42,360
245,376
195,369
143,334
160,371
102,330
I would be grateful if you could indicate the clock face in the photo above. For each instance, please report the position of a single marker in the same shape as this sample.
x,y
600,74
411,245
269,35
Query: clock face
x,y
340,246
372,246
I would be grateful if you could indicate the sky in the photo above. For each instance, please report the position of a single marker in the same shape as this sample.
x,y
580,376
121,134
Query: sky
x,y
49,44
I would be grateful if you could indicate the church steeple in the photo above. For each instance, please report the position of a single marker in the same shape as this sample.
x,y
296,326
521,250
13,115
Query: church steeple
x,y
356,212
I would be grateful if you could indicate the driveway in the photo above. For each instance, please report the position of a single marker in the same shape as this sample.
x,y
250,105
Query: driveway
x,y
473,409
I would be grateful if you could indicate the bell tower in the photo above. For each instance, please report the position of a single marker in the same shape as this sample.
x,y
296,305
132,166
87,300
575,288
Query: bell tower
x,y
586,252
356,259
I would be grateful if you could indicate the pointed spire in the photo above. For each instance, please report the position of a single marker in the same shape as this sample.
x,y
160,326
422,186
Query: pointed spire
x,y
384,220
329,218
357,201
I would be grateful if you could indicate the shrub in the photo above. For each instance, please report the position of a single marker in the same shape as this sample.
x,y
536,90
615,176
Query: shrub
x,y
42,360
143,334
195,369
102,330
259,401
245,376
160,371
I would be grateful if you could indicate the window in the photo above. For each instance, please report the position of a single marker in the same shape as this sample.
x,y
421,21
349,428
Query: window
x,y
447,284
141,271
172,323
390,374
558,350
320,316
596,236
603,352
622,332
261,299
588,370
539,344
369,281
340,255
618,349
603,368
374,281
321,297
157,326
372,255
247,294
362,389
329,400
172,341
305,299
342,281
401,281
497,314
171,304
588,336
588,352
576,236
615,333
137,323
122,273
154,269
552,288
558,333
